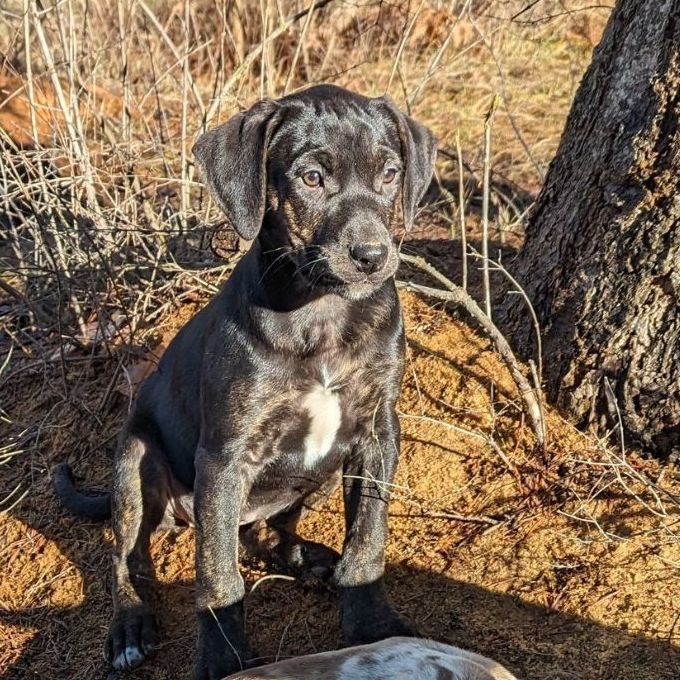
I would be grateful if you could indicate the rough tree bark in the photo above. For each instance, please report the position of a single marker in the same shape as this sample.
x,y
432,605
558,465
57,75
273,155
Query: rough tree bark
x,y
601,261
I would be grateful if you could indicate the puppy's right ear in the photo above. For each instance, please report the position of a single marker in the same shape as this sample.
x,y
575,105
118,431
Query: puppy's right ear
x,y
233,158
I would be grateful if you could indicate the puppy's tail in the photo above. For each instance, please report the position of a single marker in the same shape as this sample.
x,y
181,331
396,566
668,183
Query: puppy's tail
x,y
91,507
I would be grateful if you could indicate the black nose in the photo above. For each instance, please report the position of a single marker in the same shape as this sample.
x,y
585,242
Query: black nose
x,y
368,257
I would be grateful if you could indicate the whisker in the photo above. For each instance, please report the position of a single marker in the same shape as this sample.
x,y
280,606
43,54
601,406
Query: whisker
x,y
273,250
276,259
408,249
308,264
288,251
311,271
313,283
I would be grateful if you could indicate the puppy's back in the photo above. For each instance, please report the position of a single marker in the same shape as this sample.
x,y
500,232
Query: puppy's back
x,y
395,658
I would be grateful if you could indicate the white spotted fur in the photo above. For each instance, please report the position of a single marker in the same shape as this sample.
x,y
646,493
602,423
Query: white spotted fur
x,y
396,658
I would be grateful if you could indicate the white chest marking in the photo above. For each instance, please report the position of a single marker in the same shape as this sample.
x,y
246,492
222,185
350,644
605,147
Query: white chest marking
x,y
323,407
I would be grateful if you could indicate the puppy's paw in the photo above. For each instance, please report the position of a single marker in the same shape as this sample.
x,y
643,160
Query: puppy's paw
x,y
132,638
215,664
308,557
222,648
367,616
376,625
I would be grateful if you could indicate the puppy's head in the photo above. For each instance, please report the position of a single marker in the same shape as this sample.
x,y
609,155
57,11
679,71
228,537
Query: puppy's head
x,y
323,176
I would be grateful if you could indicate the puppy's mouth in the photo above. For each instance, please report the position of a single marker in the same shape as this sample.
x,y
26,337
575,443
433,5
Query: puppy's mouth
x,y
311,265
330,269
339,274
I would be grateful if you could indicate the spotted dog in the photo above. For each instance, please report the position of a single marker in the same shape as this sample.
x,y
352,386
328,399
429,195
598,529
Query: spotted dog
x,y
396,657
284,386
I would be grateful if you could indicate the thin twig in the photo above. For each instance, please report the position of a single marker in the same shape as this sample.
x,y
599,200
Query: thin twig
x,y
486,183
497,266
461,210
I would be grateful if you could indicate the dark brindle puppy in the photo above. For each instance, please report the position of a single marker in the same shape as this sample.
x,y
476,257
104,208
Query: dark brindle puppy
x,y
286,381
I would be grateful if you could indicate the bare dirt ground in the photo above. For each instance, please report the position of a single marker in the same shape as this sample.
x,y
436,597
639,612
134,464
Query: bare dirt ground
x,y
482,550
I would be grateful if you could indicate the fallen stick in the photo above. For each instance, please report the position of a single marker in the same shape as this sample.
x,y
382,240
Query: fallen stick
x,y
458,296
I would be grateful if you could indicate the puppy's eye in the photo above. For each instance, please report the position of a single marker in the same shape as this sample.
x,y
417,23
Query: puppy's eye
x,y
312,178
388,175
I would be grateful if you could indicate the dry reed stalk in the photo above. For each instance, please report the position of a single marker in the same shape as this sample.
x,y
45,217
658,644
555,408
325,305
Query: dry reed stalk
x,y
171,46
461,211
184,189
518,290
256,51
486,182
436,58
78,151
402,44
29,72
298,47
504,98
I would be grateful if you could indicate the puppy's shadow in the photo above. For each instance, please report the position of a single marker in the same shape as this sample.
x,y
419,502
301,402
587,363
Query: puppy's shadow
x,y
288,618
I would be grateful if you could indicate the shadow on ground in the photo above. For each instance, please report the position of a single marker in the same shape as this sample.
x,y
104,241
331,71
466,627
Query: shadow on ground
x,y
63,564
287,618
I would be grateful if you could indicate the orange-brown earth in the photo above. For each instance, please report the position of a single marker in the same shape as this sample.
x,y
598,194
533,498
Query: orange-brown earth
x,y
484,549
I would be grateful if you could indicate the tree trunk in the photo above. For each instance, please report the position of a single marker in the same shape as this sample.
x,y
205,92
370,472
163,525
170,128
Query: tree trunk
x,y
601,261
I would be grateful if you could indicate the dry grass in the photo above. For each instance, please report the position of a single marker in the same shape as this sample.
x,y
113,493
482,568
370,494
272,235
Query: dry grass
x,y
106,224
106,251
119,93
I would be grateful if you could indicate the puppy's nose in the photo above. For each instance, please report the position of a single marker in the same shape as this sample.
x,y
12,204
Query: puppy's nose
x,y
368,257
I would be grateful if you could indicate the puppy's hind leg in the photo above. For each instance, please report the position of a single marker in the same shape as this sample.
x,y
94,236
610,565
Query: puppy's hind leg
x,y
138,507
276,541
281,548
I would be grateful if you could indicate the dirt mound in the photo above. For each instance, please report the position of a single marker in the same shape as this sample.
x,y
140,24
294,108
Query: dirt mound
x,y
559,566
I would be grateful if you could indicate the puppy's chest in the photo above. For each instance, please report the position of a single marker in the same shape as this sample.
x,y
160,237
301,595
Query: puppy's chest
x,y
326,408
321,416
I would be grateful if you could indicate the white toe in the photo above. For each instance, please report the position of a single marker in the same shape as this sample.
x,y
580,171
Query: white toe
x,y
134,656
130,657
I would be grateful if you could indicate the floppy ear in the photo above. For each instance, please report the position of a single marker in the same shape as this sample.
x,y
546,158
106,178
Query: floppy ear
x,y
233,158
418,150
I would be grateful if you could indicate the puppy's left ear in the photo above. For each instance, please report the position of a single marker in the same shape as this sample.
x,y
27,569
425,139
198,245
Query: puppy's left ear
x,y
233,157
418,150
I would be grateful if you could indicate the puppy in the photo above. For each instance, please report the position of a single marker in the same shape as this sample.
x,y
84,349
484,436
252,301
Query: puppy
x,y
284,386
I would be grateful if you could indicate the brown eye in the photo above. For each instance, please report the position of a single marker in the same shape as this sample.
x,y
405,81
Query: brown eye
x,y
312,178
389,174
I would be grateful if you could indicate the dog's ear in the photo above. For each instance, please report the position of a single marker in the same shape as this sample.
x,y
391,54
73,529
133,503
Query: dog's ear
x,y
418,150
233,158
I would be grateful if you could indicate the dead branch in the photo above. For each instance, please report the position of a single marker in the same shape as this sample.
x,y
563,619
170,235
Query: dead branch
x,y
458,296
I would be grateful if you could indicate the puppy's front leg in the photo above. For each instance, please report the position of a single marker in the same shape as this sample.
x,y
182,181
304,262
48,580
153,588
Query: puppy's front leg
x,y
219,490
366,613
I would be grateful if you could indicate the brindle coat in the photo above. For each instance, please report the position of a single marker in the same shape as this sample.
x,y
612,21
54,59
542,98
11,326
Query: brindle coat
x,y
286,382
